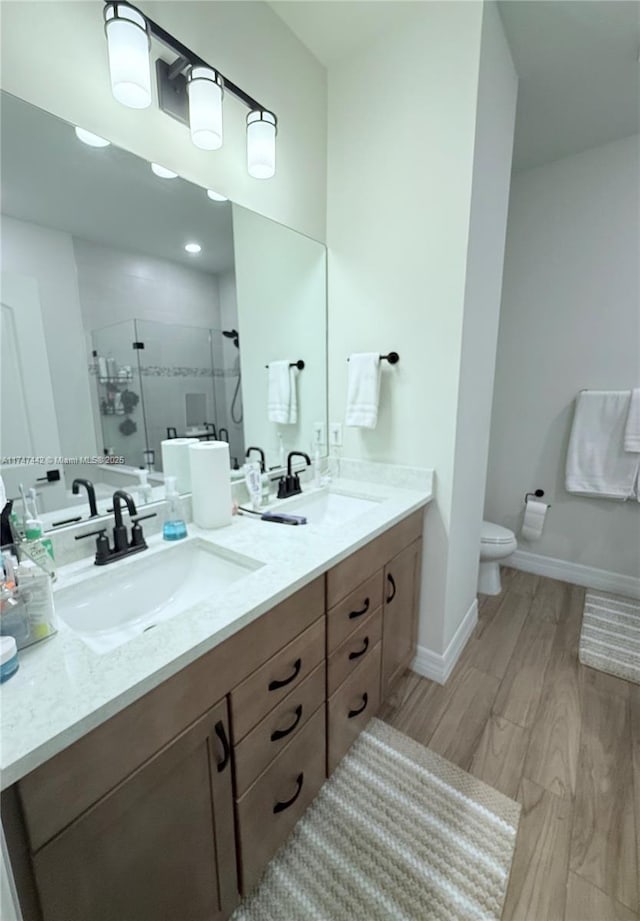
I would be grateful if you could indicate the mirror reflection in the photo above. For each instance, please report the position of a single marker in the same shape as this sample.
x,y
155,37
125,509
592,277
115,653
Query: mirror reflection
x,y
136,309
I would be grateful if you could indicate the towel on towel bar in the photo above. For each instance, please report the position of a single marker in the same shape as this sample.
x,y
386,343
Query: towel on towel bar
x,y
282,401
632,429
363,390
597,464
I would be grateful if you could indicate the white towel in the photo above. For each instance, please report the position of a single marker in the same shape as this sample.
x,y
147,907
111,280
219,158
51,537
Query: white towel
x,y
363,390
632,429
282,401
597,464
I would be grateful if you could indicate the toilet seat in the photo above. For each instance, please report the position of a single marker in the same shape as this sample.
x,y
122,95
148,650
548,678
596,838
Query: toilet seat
x,y
494,534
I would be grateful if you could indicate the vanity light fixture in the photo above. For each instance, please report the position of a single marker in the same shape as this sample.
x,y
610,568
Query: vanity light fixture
x,y
92,140
128,45
261,143
163,172
216,196
189,89
204,86
193,248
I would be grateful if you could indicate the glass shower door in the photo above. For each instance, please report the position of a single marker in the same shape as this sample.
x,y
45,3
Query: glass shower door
x,y
178,382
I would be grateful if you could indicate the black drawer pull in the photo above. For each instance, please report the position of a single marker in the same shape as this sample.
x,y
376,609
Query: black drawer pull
x,y
274,685
282,733
392,583
226,748
365,701
354,614
356,655
280,807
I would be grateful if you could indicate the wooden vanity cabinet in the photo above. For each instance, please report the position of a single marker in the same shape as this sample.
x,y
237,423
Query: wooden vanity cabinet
x,y
159,847
172,808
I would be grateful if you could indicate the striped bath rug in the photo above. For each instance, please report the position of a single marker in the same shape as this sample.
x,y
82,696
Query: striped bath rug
x,y
610,635
396,834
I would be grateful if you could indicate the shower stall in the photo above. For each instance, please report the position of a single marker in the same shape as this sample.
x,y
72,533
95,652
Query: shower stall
x,y
157,380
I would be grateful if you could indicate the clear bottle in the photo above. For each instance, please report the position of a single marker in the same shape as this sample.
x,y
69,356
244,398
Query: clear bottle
x,y
174,527
145,491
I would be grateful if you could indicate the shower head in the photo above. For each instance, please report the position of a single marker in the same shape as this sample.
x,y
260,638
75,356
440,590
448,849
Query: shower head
x,y
232,334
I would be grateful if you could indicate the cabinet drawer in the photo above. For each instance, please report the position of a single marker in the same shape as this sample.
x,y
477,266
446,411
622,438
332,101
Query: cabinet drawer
x,y
355,649
347,575
277,729
260,692
271,807
347,616
352,706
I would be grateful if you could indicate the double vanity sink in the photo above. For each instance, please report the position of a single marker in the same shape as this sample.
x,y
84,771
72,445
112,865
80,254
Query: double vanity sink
x,y
109,608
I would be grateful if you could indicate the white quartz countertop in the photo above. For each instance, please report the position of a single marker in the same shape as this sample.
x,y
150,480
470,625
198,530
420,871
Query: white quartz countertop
x,y
63,689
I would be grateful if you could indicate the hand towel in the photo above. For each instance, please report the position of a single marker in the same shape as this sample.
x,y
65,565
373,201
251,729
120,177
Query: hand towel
x,y
282,401
363,390
597,464
632,429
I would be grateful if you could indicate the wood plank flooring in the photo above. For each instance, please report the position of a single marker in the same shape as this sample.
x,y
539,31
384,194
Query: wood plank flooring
x,y
522,714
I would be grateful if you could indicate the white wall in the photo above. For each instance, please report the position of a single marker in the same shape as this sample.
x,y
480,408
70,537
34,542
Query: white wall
x,y
496,111
570,320
54,56
402,136
281,291
117,285
47,256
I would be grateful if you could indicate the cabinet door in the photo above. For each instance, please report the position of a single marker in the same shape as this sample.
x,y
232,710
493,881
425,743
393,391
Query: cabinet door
x,y
400,619
159,847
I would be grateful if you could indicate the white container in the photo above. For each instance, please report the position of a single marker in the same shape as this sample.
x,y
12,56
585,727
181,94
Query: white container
x,y
210,483
175,461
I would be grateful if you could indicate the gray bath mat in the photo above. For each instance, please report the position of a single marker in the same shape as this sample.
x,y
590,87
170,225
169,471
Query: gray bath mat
x,y
396,833
610,635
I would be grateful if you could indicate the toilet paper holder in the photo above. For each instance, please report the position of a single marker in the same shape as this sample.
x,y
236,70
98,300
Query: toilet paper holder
x,y
537,494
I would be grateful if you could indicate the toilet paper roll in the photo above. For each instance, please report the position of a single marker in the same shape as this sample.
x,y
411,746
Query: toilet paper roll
x,y
533,523
210,483
175,461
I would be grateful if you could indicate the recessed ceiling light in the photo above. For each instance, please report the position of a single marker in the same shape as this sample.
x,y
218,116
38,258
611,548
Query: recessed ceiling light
x,y
163,172
93,140
193,248
216,196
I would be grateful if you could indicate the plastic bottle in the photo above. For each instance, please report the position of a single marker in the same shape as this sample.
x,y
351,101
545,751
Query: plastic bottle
x,y
39,548
34,587
8,657
174,527
145,491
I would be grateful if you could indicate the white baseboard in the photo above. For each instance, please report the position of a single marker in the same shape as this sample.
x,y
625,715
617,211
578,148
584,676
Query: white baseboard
x,y
437,666
576,573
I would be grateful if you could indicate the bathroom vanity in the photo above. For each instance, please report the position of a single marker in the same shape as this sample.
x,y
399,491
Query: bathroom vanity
x,y
172,807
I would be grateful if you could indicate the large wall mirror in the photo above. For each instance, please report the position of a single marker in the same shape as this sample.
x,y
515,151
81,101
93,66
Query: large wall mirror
x,y
114,336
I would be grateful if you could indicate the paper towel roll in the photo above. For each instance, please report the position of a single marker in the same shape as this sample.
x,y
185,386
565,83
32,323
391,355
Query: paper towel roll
x,y
175,461
533,523
210,483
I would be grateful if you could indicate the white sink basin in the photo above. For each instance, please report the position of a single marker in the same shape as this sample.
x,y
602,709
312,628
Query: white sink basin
x,y
327,509
118,602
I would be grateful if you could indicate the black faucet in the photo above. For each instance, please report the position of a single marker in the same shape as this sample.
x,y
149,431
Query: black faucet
x,y
121,545
91,493
120,537
290,485
263,465
224,437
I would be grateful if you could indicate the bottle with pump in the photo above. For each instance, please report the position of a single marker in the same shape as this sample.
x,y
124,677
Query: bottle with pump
x,y
174,527
145,491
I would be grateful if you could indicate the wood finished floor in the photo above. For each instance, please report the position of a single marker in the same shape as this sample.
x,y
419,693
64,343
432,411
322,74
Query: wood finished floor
x,y
522,714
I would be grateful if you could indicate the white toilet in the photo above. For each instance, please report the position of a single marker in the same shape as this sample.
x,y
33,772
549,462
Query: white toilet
x,y
496,543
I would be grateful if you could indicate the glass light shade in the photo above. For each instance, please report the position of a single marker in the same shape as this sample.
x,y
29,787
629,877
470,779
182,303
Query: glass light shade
x,y
205,107
216,196
93,140
261,144
163,172
128,47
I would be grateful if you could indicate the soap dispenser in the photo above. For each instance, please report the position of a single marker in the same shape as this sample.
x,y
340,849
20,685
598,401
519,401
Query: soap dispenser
x,y
174,527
